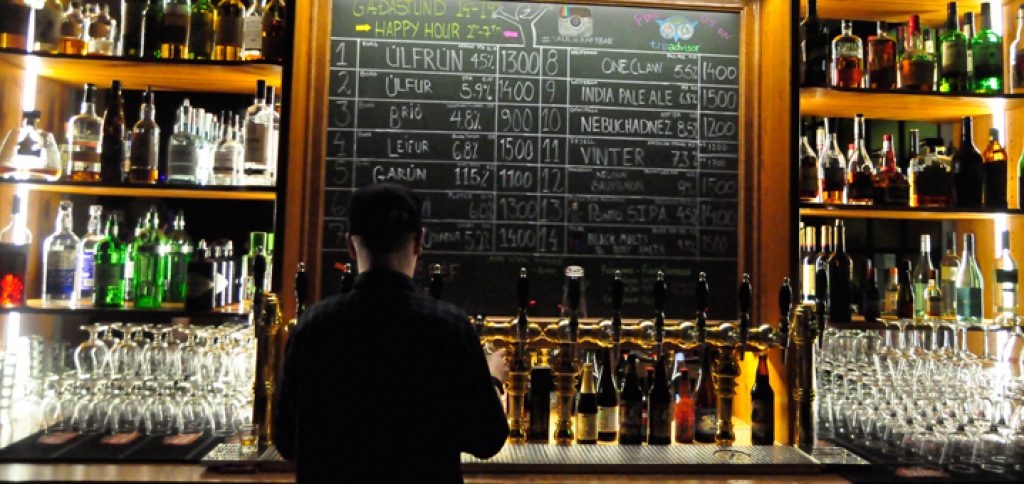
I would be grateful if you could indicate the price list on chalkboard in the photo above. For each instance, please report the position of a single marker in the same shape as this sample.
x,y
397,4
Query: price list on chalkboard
x,y
541,136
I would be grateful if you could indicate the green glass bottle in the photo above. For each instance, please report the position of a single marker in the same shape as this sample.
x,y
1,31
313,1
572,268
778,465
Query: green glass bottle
x,y
150,264
969,287
987,51
179,253
953,74
108,270
200,40
152,26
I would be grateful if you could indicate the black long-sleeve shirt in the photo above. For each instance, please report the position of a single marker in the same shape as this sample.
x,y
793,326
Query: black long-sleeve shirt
x,y
385,385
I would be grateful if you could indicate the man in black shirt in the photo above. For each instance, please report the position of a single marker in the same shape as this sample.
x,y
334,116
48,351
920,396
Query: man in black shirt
x,y
384,384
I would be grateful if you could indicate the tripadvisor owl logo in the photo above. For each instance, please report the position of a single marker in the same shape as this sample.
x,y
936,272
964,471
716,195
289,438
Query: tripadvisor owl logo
x,y
676,28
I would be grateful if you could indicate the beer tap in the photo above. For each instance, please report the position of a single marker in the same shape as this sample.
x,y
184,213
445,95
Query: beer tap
x,y
744,298
519,367
618,291
565,364
801,373
436,281
660,294
785,312
267,324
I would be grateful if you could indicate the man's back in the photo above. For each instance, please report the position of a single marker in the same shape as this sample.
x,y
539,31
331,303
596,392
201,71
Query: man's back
x,y
384,384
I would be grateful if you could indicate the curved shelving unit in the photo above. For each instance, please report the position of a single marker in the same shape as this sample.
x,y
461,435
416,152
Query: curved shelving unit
x,y
869,212
901,105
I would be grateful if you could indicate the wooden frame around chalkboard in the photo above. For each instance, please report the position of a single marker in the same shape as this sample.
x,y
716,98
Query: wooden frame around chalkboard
x,y
764,238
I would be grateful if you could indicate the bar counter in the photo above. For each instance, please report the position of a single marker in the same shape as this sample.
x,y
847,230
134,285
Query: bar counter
x,y
172,473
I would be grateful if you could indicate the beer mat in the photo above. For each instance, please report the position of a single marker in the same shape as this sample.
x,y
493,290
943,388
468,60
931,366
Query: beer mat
x,y
41,447
156,449
102,448
130,447
903,468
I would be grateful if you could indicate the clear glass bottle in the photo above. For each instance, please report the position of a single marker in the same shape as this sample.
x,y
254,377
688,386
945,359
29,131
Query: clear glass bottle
x,y
74,31
1017,56
174,30
808,166
953,46
15,241
931,177
890,304
47,26
109,261
230,157
179,254
183,149
60,256
949,271
922,270
1006,285
145,145
29,153
87,253
891,187
84,132
987,55
276,42
808,265
917,65
252,26
103,33
258,134
860,171
969,287
274,114
881,60
200,37
995,165
832,170
847,58
229,30
150,264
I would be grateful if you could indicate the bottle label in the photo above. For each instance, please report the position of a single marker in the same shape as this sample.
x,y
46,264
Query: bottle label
x,y
948,273
1004,276
762,417
706,424
808,178
60,283
954,59
1018,69
106,275
892,302
988,60
659,421
835,179
13,259
182,161
229,31
631,416
968,304
848,49
935,306
176,15
608,419
253,32
256,144
87,272
586,426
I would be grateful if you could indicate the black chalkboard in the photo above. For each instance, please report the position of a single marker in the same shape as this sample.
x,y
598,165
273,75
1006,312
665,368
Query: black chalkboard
x,y
543,135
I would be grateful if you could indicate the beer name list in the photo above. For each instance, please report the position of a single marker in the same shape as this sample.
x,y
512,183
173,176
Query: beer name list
x,y
540,136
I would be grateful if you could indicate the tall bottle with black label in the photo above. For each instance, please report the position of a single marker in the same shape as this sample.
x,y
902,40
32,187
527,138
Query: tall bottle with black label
x,y
762,406
872,307
659,408
607,403
814,48
201,276
586,408
839,278
705,405
631,407
970,176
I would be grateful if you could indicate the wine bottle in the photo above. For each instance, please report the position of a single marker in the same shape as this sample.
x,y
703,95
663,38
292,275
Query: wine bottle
x,y
970,178
659,408
969,287
684,419
631,407
872,307
762,407
839,278
586,408
705,406
920,275
607,403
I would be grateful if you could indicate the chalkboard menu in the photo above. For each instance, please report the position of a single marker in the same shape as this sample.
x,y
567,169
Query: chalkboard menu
x,y
541,136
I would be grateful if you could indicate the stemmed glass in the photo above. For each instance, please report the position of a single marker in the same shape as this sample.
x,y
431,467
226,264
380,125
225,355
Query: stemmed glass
x,y
126,354
91,355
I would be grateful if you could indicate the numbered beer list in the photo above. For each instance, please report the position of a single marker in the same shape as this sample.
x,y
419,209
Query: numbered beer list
x,y
615,157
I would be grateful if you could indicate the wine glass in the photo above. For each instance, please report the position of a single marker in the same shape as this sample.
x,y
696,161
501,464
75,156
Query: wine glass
x,y
91,355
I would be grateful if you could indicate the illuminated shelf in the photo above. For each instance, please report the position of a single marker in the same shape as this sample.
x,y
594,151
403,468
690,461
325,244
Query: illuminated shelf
x,y
932,12
869,212
901,105
254,193
859,323
136,74
129,314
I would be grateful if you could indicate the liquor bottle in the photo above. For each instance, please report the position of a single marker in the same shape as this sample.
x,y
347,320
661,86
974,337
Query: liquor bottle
x,y
881,60
129,259
252,31
607,404
808,172
631,407
586,408
892,292
201,31
201,276
968,29
860,171
762,406
949,271
87,253
15,15
258,133
987,53
970,176
84,134
60,254
917,65
276,45
179,254
969,287
47,26
659,407
150,264
108,269
684,418
1017,56
133,22
807,266
933,296
847,58
73,31
1006,285
229,157
832,170
15,240
142,167
230,271
229,30
272,112
220,274
839,278
995,161
183,149
872,306
825,252
152,29
103,33
705,405
814,49
112,142
30,153
920,276
891,187
905,297
953,49
539,404
174,30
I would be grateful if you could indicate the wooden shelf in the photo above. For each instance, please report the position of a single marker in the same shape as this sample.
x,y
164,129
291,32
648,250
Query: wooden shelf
x,y
130,314
859,323
253,193
932,12
136,74
901,105
869,212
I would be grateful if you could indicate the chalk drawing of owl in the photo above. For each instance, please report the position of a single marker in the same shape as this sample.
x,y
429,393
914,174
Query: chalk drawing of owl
x,y
676,28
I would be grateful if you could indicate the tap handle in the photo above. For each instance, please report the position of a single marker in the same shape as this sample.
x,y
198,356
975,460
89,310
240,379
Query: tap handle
x,y
523,290
259,272
301,288
436,281
785,310
821,296
575,293
617,292
660,292
702,307
744,298
348,279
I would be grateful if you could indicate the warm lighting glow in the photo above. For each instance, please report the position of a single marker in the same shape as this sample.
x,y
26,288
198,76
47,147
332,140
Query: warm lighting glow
x,y
12,331
997,19
1001,225
28,91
